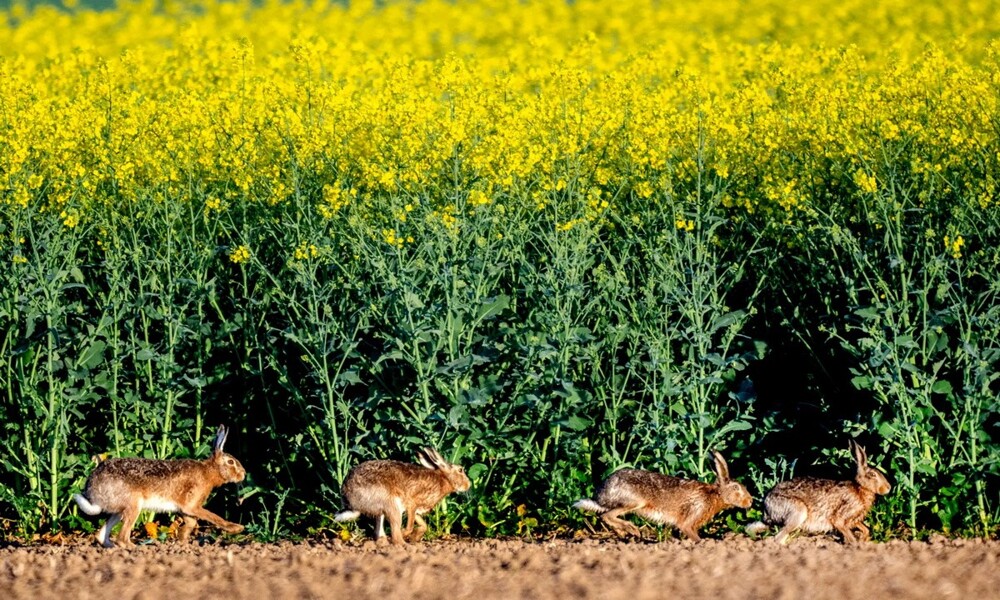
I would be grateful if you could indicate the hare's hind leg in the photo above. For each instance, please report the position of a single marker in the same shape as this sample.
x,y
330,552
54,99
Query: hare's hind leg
x,y
104,533
419,529
188,526
411,512
795,517
206,515
128,517
619,525
379,528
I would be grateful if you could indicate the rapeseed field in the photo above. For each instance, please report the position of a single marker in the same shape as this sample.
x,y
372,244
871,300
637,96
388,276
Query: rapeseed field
x,y
550,238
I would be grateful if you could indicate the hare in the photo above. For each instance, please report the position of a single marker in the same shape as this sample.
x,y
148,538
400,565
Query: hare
x,y
821,505
122,487
683,503
387,488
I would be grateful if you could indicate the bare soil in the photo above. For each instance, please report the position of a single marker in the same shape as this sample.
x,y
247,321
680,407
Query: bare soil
x,y
811,568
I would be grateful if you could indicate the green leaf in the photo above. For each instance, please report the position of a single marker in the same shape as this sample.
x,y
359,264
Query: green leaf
x,y
863,382
92,356
576,423
413,301
942,342
476,470
942,386
492,307
349,377
731,427
869,313
887,430
458,415
727,319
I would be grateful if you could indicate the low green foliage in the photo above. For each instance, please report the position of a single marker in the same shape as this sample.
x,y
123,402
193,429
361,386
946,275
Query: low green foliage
x,y
540,357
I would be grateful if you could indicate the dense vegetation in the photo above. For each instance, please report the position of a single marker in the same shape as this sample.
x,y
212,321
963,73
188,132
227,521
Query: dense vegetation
x,y
550,239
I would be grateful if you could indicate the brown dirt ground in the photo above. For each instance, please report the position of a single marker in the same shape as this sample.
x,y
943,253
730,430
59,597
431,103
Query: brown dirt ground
x,y
812,568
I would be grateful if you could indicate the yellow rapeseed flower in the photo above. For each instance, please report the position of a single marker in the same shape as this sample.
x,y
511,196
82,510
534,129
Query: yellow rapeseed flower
x,y
70,218
865,181
684,224
343,104
954,245
306,251
239,254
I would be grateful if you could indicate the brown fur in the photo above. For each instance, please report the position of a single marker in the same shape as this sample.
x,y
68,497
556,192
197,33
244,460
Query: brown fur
x,y
821,505
123,487
385,489
686,504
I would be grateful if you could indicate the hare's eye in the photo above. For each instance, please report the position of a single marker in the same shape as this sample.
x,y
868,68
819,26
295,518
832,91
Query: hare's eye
x,y
231,461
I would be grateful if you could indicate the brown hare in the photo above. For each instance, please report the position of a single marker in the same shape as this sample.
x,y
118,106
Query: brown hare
x,y
821,505
123,487
388,488
686,504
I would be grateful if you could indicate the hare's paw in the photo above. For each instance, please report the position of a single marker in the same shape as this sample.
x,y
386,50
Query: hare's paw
x,y
233,528
416,535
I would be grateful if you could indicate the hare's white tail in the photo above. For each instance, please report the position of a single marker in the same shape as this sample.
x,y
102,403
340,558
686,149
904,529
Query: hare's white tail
x,y
86,506
590,506
347,515
756,528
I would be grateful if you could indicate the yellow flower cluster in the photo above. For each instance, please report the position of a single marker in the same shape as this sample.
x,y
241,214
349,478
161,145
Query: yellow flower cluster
x,y
306,251
239,254
953,245
470,105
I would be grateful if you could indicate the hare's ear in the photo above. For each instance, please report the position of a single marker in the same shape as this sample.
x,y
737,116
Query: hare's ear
x,y
860,456
436,457
721,468
220,439
424,458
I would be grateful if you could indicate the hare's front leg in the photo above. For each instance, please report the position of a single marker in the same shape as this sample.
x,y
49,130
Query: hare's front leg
x,y
396,526
864,534
689,532
411,512
845,530
844,521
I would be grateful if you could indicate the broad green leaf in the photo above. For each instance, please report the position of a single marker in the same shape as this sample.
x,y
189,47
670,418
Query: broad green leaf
x,y
942,386
493,307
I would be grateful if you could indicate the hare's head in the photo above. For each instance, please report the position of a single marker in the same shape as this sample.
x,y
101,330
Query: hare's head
x,y
455,474
229,468
733,492
868,478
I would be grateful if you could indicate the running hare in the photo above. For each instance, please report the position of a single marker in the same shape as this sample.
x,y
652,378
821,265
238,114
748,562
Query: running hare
x,y
122,487
388,488
821,505
683,503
